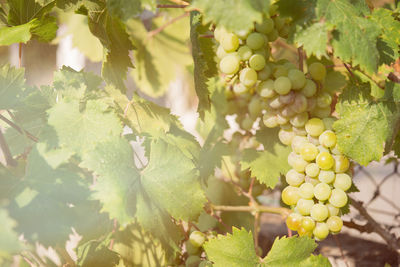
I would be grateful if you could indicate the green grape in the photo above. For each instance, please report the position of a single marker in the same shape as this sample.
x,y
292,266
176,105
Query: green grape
x,y
322,191
325,160
192,250
266,26
324,100
342,181
266,89
342,164
314,127
308,223
311,180
303,232
264,74
230,42
221,53
321,112
308,151
288,98
240,89
311,103
328,139
338,198
247,123
279,23
307,190
328,122
255,107
321,231
317,71
299,164
309,88
299,120
298,142
290,195
265,53
279,71
287,112
294,178
193,261
255,40
312,170
244,52
286,136
304,206
293,221
197,238
300,103
312,139
281,119
326,176
334,224
219,32
300,131
333,211
270,121
273,35
248,77
257,62
319,212
322,149
297,78
229,64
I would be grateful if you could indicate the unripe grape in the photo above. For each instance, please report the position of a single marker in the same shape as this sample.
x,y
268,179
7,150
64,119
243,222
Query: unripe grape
x,y
306,191
312,170
273,35
314,127
265,73
270,121
298,163
326,176
304,206
297,78
299,120
230,42
338,198
230,64
308,223
221,53
333,211
279,71
319,212
321,231
317,71
192,250
342,164
290,195
255,107
303,232
240,89
255,40
294,178
300,103
257,62
324,100
282,85
309,88
298,142
248,77
293,221
197,238
286,136
334,224
266,89
325,160
342,181
219,32
328,139
266,26
288,98
244,52
308,151
322,191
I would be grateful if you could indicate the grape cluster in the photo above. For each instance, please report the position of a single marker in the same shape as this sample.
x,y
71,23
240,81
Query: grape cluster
x,y
194,249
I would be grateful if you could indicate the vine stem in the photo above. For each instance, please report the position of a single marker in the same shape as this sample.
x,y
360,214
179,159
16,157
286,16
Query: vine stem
x,y
254,208
6,151
150,34
19,129
171,6
301,57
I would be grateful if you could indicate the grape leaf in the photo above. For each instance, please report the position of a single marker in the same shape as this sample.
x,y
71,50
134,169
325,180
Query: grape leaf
x,y
314,39
17,34
354,37
267,165
234,250
372,123
9,243
12,84
67,77
127,9
97,253
237,16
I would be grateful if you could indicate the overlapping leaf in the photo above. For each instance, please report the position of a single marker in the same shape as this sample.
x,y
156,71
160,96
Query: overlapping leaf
x,y
12,84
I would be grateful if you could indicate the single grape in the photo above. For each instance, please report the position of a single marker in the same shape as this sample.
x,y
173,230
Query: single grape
x,y
286,136
308,223
299,164
335,224
248,77
319,212
276,102
321,231
230,42
325,160
255,107
257,62
221,53
342,163
288,98
309,88
308,151
297,78
219,32
303,232
338,198
312,170
197,238
230,64
326,176
328,139
279,71
324,100
265,73
270,121
240,89
322,191
306,191
298,142
290,195
299,120
304,206
255,40
294,178
244,52
282,85
333,211
266,89
293,221
300,103
266,26
317,71
342,181
314,127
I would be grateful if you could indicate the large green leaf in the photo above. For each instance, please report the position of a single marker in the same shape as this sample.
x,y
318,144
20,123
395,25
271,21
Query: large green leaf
x,y
17,34
126,9
12,84
314,39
